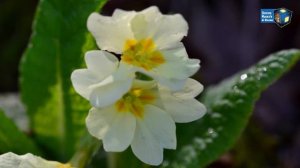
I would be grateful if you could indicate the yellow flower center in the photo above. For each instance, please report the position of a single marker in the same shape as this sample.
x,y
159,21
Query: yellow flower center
x,y
142,53
135,100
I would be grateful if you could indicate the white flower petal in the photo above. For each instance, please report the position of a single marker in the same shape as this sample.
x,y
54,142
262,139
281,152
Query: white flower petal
x,y
172,28
145,146
166,30
183,110
119,13
108,93
120,133
98,121
144,23
11,160
161,125
101,63
110,33
155,131
82,79
191,89
151,13
112,88
177,64
31,161
173,84
124,72
115,128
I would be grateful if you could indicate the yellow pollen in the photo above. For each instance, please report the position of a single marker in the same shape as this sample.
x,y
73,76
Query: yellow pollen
x,y
134,101
142,53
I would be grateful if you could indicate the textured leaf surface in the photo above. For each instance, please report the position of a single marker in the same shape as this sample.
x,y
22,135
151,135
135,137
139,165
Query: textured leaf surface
x,y
58,42
229,106
12,139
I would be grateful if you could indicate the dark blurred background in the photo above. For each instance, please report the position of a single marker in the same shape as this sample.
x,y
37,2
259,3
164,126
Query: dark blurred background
x,y
227,36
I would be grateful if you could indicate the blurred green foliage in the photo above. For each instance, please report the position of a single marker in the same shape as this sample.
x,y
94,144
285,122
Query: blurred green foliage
x,y
12,139
59,41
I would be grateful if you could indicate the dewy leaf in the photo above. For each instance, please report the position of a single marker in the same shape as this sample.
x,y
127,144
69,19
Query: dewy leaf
x,y
229,106
12,139
59,39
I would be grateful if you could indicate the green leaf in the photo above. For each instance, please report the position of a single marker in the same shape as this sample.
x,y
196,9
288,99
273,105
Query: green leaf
x,y
230,105
12,139
59,39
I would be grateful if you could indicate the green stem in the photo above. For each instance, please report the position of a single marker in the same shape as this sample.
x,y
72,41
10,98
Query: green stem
x,y
88,147
112,160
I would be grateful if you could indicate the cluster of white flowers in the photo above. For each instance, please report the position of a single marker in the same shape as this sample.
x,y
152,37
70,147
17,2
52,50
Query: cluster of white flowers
x,y
138,98
11,160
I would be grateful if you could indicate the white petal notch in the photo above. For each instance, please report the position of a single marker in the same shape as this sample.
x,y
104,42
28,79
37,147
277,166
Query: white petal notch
x,y
137,100
148,41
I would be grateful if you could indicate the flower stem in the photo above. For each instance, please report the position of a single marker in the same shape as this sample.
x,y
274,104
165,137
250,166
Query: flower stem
x,y
88,147
112,160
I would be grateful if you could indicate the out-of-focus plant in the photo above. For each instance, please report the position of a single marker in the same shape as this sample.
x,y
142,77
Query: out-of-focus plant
x,y
57,114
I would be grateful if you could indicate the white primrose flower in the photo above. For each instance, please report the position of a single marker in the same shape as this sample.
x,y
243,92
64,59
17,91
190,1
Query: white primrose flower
x,y
148,41
128,111
144,118
11,160
103,81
